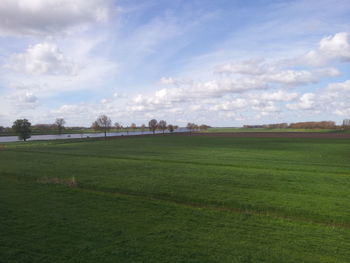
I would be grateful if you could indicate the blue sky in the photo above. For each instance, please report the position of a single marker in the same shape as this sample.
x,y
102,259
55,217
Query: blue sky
x,y
222,63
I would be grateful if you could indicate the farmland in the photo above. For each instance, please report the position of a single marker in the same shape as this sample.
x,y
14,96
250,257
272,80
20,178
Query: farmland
x,y
245,130
176,198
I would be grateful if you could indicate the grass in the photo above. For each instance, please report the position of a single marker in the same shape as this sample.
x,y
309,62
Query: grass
x,y
223,129
176,199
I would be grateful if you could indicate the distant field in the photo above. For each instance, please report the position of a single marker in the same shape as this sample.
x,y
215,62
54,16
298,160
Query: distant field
x,y
176,199
270,130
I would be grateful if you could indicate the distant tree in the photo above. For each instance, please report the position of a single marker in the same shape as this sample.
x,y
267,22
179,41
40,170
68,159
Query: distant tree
x,y
133,126
43,127
171,128
203,127
118,126
313,125
2,129
162,125
152,124
22,128
143,127
60,122
191,126
102,123
346,124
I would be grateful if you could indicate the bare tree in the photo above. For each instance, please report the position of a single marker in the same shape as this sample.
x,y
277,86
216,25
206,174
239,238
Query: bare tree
x,y
162,125
133,127
152,124
190,126
143,127
346,124
203,127
171,128
118,126
102,123
60,122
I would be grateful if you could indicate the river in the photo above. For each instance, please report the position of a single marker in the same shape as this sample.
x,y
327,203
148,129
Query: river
x,y
81,135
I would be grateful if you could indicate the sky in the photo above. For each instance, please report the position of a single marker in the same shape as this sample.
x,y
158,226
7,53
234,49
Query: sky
x,y
220,63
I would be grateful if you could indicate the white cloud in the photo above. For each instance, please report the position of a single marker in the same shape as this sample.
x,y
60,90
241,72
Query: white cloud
x,y
18,17
168,81
43,58
305,102
197,92
343,86
279,95
253,66
343,112
230,105
272,72
196,107
264,106
28,98
23,100
302,77
330,48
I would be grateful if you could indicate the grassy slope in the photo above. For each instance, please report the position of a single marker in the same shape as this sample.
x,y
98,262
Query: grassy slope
x,y
177,199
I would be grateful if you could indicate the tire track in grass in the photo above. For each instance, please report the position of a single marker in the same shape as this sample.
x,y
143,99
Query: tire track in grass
x,y
192,162
196,205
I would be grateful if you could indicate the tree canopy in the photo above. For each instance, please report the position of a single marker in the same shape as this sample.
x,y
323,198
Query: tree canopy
x,y
162,125
103,123
60,122
153,124
22,128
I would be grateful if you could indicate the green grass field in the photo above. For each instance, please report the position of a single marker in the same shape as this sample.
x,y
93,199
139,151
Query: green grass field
x,y
176,199
215,130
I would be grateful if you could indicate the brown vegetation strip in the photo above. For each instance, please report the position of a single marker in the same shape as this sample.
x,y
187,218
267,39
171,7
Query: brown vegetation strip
x,y
137,136
317,135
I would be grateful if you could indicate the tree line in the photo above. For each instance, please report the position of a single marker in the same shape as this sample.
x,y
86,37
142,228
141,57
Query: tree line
x,y
304,125
104,123
24,129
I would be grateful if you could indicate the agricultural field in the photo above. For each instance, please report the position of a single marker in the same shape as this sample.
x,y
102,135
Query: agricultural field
x,y
176,198
228,129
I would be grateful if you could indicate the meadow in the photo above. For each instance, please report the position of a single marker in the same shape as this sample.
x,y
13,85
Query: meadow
x,y
176,198
232,129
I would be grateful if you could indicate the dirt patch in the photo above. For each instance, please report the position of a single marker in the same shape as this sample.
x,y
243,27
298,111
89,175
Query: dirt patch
x,y
71,182
318,135
2,147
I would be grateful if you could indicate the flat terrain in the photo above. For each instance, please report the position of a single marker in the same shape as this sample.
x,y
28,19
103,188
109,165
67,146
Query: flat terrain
x,y
273,130
176,199
271,134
